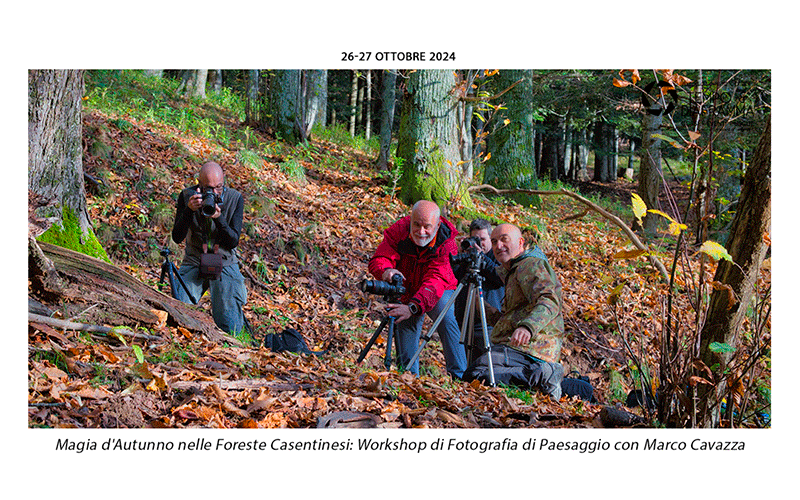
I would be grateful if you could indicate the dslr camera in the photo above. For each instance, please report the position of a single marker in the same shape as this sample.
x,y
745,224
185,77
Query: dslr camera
x,y
471,254
210,201
393,289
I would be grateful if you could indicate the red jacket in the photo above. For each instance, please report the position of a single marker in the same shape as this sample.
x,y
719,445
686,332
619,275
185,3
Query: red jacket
x,y
427,270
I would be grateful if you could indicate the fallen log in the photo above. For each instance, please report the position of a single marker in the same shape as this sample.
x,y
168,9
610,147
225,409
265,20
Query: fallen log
x,y
122,298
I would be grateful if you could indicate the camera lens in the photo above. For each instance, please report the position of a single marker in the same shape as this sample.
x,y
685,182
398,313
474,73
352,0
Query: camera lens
x,y
208,207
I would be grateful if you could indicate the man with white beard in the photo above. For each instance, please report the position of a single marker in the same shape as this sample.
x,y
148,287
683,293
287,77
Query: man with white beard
x,y
418,247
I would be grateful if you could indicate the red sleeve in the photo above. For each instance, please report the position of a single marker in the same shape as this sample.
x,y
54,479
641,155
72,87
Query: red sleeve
x,y
386,255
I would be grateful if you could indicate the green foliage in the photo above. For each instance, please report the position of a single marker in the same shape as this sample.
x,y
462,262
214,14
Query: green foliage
x,y
294,170
69,235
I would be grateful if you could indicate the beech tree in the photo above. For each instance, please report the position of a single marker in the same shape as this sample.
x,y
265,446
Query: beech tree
x,y
55,166
428,139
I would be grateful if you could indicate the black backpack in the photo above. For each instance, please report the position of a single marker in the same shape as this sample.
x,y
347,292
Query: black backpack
x,y
288,340
511,367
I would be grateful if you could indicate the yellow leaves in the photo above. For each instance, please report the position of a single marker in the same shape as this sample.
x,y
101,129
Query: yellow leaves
x,y
715,251
675,227
639,207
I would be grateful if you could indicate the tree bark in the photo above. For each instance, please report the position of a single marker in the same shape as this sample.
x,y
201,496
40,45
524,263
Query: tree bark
x,y
747,247
55,153
284,95
251,104
428,140
353,101
388,83
368,107
649,182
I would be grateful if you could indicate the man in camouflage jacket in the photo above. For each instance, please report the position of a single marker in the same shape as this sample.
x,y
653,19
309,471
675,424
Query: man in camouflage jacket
x,y
532,320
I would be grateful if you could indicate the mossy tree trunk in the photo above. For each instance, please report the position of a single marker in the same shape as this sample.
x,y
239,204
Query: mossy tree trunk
x,y
55,166
513,159
428,140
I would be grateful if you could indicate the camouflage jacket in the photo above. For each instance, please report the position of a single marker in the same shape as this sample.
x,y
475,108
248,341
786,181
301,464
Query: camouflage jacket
x,y
533,300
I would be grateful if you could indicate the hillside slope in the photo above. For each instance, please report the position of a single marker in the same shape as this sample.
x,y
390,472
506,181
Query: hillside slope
x,y
308,234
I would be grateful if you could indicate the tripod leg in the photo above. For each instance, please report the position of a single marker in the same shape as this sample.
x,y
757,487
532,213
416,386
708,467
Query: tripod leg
x,y
174,270
486,342
427,336
387,360
465,336
373,339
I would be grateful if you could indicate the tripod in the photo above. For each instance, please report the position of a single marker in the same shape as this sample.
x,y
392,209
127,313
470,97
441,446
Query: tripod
x,y
474,294
169,271
387,360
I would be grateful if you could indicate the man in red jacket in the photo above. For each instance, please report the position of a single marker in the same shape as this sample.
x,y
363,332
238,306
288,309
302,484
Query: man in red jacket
x,y
418,247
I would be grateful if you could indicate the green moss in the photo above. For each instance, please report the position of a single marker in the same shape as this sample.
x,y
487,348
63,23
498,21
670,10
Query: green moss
x,y
69,236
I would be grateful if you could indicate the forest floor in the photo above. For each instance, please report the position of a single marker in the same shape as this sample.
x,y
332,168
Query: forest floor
x,y
305,246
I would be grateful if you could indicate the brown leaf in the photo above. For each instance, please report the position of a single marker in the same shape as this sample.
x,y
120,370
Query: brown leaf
x,y
628,254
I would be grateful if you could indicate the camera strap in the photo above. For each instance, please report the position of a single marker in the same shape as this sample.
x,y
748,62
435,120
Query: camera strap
x,y
210,263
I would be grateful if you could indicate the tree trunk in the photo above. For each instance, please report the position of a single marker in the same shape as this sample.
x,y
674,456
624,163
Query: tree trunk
x,y
747,247
55,166
428,140
368,107
388,82
251,104
215,77
284,95
649,183
353,102
313,100
604,154
582,156
512,164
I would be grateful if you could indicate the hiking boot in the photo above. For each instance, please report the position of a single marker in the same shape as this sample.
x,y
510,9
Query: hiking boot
x,y
552,375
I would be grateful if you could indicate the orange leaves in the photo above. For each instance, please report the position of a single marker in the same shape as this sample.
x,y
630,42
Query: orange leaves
x,y
667,75
622,82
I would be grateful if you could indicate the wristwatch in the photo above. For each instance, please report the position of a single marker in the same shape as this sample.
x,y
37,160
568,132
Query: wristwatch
x,y
414,308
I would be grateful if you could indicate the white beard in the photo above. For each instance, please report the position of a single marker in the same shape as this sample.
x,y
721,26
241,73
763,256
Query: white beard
x,y
424,242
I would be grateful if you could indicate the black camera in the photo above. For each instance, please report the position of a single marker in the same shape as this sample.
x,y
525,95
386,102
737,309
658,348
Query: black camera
x,y
471,243
210,201
472,255
378,287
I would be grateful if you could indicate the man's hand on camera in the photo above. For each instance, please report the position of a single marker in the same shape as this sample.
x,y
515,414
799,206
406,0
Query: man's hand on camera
x,y
195,201
387,275
520,337
399,311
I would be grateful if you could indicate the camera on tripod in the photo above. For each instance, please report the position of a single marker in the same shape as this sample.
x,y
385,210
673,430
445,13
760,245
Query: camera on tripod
x,y
388,290
472,255
210,201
